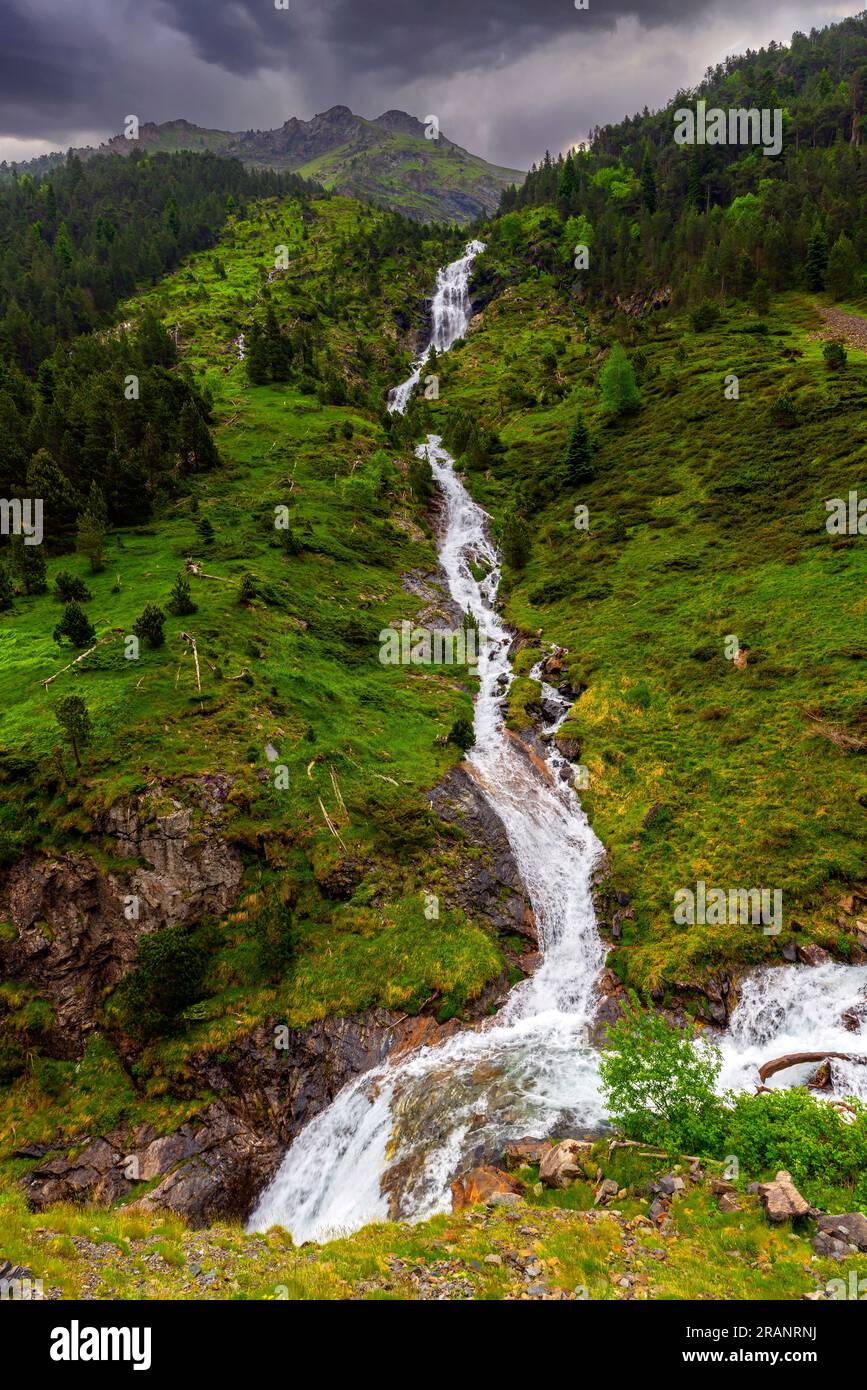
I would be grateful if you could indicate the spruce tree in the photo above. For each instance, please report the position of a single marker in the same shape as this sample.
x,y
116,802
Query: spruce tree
x,y
149,626
579,453
74,627
514,540
619,390
72,716
817,257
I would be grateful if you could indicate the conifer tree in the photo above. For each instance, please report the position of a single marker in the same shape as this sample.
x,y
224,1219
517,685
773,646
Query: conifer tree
x,y
579,453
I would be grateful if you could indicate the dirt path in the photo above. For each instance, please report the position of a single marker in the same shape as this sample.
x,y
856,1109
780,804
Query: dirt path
x,y
838,324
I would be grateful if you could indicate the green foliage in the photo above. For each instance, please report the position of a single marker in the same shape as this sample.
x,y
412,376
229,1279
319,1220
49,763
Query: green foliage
x,y
246,589
799,1132
658,1081
272,932
74,627
619,393
149,626
462,734
72,715
514,539
181,600
168,977
69,587
704,316
90,540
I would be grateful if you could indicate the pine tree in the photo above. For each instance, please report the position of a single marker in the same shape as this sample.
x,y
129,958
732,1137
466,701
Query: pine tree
x,y
72,716
74,627
29,565
844,269
90,540
181,600
817,257
205,530
618,387
69,588
579,453
648,182
514,540
149,626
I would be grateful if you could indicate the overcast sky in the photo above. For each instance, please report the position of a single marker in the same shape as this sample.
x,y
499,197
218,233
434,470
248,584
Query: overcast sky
x,y
507,78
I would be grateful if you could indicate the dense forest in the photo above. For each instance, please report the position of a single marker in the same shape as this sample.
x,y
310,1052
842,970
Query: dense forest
x,y
715,220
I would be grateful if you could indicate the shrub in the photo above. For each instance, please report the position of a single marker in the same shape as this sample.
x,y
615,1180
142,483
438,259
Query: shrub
x,y
704,316
791,1129
514,540
658,1082
272,932
73,718
167,978
149,627
69,587
247,589
463,734
835,356
74,627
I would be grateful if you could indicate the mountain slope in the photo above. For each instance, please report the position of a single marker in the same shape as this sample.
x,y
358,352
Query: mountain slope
x,y
388,160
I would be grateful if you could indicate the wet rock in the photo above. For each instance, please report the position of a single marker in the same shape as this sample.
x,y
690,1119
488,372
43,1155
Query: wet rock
x,y
521,1152
781,1199
562,1164
811,954
482,1185
489,886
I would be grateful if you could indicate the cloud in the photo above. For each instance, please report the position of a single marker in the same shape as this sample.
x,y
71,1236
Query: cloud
x,y
507,78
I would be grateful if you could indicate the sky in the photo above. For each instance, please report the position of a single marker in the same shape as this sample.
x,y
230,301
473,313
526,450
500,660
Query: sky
x,y
506,78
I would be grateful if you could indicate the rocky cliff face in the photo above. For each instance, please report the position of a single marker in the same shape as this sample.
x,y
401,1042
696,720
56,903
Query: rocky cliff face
x,y
78,925
74,940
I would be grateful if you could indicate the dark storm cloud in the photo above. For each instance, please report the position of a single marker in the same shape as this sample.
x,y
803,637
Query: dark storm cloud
x,y
406,36
507,77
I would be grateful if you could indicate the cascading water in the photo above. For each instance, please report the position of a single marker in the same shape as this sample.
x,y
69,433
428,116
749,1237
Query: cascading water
x,y
393,1139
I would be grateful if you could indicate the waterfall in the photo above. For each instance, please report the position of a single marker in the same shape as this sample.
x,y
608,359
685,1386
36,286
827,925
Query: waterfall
x,y
392,1140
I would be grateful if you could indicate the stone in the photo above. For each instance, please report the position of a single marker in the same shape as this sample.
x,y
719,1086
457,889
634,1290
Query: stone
x,y
811,954
605,1192
520,1152
781,1199
670,1184
728,1204
481,1185
562,1164
850,1227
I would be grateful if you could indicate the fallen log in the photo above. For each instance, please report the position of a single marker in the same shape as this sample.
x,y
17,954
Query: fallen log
x,y
795,1059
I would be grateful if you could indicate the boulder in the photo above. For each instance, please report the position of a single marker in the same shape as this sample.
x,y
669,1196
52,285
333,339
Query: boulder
x,y
521,1152
483,1184
851,1227
811,954
606,1190
781,1199
562,1164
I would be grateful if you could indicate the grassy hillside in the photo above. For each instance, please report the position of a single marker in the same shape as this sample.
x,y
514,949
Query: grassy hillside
x,y
289,674
706,521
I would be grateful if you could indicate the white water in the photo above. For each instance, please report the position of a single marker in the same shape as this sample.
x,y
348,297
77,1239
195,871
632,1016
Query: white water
x,y
450,314
404,1130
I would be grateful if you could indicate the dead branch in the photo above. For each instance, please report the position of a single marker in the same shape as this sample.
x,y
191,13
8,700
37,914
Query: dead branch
x,y
111,637
795,1059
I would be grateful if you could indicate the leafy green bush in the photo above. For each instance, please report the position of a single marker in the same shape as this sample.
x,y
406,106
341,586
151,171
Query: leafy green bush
x,y
69,587
791,1129
704,316
462,734
167,977
659,1082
